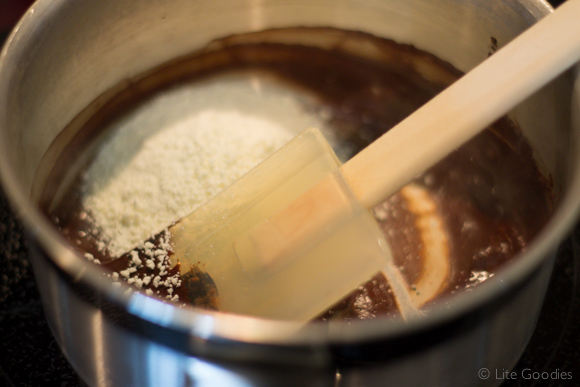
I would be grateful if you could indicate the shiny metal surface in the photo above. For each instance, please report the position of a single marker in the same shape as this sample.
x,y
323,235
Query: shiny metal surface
x,y
65,53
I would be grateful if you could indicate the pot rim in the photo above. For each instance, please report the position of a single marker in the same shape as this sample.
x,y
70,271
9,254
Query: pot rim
x,y
209,325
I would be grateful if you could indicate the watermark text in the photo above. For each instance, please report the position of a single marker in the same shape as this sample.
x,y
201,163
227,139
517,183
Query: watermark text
x,y
526,374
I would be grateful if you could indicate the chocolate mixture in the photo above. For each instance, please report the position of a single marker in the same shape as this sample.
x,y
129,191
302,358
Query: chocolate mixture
x,y
489,193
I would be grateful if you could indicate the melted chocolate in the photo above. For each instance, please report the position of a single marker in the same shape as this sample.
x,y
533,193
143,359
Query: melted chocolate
x,y
489,192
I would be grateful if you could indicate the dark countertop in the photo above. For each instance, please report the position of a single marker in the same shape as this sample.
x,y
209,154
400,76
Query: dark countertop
x,y
29,356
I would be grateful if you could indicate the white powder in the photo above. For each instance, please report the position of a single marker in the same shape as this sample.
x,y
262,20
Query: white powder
x,y
181,148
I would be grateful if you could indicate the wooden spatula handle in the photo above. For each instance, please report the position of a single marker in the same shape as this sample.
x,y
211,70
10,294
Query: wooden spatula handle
x,y
469,105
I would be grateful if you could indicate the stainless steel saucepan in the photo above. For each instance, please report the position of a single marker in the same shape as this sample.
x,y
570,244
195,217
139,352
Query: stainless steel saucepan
x,y
65,53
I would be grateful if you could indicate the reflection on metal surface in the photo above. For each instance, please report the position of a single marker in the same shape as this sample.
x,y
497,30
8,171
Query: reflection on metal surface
x,y
435,246
205,374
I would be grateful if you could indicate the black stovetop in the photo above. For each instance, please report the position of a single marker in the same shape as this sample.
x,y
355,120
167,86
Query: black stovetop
x,y
29,356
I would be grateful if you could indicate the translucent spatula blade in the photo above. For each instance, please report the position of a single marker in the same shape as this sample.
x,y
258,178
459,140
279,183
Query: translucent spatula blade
x,y
270,261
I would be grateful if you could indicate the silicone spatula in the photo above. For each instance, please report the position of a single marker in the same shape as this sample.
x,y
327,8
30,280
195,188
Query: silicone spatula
x,y
297,283
293,236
